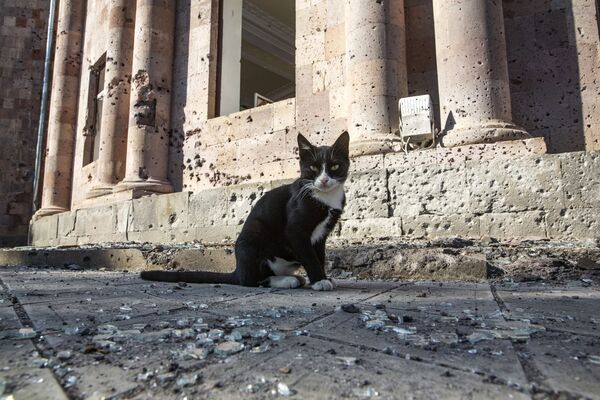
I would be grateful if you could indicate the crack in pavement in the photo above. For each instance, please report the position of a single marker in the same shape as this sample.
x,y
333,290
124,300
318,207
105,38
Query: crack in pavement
x,y
41,345
535,377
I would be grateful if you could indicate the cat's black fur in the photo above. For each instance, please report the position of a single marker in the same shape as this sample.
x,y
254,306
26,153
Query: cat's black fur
x,y
282,222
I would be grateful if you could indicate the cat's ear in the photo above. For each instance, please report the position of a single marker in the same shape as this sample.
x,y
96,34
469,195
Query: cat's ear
x,y
342,145
304,146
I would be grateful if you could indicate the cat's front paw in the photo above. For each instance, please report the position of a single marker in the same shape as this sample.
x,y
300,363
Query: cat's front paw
x,y
324,284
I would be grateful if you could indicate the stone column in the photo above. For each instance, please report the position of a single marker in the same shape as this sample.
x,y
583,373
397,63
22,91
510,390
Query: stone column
x,y
473,73
376,73
62,118
115,109
150,102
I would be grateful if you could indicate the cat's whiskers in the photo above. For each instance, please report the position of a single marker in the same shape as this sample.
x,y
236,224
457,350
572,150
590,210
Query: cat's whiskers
x,y
297,195
306,189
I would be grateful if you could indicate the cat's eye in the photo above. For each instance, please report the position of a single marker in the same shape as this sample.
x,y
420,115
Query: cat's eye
x,y
313,168
335,167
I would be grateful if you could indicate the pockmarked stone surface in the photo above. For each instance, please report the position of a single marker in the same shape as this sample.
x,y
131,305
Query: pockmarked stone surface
x,y
68,333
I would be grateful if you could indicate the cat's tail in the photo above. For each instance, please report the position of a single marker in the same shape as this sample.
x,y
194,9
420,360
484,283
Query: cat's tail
x,y
190,277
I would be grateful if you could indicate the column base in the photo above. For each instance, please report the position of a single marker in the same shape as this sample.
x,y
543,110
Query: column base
x,y
45,211
376,145
149,185
493,131
100,190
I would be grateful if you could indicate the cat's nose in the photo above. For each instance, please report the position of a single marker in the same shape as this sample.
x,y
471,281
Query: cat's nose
x,y
324,180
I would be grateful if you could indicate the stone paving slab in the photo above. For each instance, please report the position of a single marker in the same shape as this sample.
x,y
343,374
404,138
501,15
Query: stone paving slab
x,y
451,298
111,335
320,369
8,319
99,311
23,378
558,308
434,340
556,353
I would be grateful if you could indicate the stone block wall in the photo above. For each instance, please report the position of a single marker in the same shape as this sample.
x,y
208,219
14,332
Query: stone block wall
x,y
554,65
344,72
254,145
23,25
514,194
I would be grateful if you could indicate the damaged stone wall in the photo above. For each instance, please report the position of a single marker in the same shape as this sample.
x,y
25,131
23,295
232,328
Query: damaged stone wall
x,y
552,48
94,46
23,26
511,193
259,145
321,70
254,145
194,85
554,67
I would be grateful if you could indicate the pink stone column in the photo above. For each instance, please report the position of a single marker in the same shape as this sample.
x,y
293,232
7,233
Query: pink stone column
x,y
62,118
115,109
474,91
150,102
376,73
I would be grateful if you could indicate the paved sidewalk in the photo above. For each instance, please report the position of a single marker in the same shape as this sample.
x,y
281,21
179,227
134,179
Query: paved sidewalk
x,y
111,335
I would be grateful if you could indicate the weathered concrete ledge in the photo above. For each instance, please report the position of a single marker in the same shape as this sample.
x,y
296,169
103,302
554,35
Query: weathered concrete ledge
x,y
449,259
531,197
465,266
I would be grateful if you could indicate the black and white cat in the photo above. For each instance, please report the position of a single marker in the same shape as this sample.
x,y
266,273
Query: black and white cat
x,y
288,226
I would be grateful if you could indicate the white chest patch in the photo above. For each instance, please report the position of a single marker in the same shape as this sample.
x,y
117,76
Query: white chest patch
x,y
333,199
319,232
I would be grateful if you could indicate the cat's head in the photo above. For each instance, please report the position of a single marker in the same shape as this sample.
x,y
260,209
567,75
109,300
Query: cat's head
x,y
326,166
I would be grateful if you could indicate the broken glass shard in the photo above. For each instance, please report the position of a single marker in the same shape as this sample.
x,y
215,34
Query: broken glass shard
x,y
276,336
25,333
284,390
263,348
365,393
107,328
228,348
72,330
234,336
187,380
215,334
480,336
260,333
375,324
64,355
349,361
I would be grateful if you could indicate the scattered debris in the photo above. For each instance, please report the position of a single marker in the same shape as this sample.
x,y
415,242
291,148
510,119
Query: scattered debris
x,y
480,336
188,342
284,390
64,355
276,336
594,359
25,333
349,361
229,348
365,393
350,308
187,380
